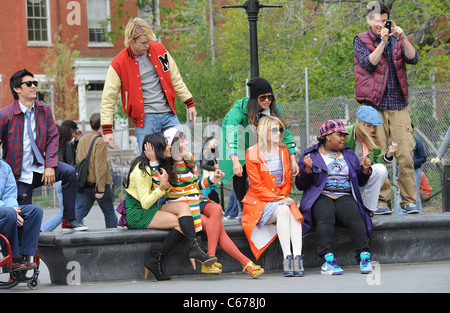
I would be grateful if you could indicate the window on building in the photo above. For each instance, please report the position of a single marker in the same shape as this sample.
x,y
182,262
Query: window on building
x,y
95,86
98,13
44,96
38,22
45,92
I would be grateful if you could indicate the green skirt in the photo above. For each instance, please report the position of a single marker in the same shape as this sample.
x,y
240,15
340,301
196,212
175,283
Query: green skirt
x,y
137,217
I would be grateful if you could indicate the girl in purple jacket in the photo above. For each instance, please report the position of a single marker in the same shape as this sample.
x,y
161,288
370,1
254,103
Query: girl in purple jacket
x,y
330,176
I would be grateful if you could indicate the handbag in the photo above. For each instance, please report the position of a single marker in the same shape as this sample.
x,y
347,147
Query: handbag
x,y
82,168
122,222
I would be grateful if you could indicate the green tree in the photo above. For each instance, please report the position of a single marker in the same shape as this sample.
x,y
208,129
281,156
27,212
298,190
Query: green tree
x,y
319,35
187,34
59,67
313,34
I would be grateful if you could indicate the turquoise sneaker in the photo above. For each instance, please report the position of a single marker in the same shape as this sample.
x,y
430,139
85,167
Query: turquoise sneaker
x,y
365,265
330,267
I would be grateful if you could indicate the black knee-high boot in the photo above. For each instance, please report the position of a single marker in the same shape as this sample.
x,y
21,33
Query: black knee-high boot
x,y
196,253
154,264
172,239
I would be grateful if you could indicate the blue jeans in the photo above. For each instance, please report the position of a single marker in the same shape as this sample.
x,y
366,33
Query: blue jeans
x,y
232,208
54,222
156,122
23,240
86,199
418,177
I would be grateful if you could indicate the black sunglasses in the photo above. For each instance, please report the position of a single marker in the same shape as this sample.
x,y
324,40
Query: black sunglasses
x,y
276,130
264,97
29,83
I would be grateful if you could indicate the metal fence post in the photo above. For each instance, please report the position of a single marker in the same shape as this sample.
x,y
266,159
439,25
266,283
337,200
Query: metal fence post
x,y
394,183
446,190
307,105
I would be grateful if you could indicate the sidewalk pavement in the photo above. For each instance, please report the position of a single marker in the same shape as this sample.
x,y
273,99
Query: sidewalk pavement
x,y
433,277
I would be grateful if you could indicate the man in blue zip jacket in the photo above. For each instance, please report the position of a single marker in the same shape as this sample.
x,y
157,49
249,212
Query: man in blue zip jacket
x,y
21,225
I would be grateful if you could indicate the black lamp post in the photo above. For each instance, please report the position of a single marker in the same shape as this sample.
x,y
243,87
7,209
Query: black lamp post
x,y
252,8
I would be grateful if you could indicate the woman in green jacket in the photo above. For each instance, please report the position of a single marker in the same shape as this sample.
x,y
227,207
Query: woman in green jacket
x,y
239,133
362,139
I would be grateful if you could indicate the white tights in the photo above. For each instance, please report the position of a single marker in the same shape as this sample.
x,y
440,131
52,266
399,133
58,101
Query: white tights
x,y
289,230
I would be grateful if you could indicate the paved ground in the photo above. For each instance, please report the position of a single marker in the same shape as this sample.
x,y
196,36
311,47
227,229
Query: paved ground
x,y
391,278
387,278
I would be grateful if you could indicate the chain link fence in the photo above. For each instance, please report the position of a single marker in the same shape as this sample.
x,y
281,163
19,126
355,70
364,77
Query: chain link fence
x,y
430,114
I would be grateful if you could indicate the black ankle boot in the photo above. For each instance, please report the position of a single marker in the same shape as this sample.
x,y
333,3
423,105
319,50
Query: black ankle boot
x,y
154,265
196,253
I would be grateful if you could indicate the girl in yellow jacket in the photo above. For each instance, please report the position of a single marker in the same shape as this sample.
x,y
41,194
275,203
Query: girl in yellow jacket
x,y
143,211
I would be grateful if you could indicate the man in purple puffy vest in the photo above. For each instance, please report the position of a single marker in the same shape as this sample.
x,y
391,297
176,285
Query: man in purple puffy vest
x,y
380,81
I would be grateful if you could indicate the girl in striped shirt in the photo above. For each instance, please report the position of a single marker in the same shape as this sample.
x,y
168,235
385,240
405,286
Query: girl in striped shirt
x,y
185,186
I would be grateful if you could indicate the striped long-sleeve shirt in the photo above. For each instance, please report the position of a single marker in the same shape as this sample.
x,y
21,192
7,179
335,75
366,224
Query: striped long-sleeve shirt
x,y
187,189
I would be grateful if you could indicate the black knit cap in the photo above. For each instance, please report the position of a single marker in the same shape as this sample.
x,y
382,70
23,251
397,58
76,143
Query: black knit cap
x,y
259,86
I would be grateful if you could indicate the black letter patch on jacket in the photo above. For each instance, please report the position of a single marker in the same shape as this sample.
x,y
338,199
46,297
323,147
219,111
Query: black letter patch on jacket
x,y
164,62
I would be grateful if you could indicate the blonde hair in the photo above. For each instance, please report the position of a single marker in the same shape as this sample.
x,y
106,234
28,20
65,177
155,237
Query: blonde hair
x,y
371,141
135,28
263,127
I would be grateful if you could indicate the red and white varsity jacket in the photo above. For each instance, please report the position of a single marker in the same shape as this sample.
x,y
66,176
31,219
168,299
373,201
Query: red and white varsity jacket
x,y
123,75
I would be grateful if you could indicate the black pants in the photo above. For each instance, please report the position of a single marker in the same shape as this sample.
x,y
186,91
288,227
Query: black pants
x,y
64,172
214,196
343,211
240,185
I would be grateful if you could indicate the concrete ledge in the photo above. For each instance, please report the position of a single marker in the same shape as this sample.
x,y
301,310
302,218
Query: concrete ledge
x,y
118,254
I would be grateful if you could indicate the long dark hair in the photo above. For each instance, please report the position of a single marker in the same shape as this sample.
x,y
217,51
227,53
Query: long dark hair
x,y
159,143
253,110
65,136
205,149
65,132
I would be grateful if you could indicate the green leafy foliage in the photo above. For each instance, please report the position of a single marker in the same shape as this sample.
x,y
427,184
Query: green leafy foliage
x,y
59,67
317,35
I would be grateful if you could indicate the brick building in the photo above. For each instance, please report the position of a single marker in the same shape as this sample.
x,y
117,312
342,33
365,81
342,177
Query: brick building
x,y
28,27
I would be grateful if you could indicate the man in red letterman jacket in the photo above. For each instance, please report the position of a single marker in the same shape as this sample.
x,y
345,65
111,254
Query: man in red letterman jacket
x,y
148,80
380,62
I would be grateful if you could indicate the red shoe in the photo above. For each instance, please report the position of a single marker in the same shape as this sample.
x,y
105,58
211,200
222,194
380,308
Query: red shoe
x,y
70,226
20,264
